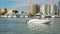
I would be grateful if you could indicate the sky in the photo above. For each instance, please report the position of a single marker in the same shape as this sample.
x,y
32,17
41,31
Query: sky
x,y
22,5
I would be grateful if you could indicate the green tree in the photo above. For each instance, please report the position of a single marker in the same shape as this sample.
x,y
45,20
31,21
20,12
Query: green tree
x,y
2,13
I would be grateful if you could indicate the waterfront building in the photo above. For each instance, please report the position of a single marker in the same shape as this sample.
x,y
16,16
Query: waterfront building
x,y
33,9
58,4
13,13
26,14
53,10
9,12
49,10
3,9
59,7
19,12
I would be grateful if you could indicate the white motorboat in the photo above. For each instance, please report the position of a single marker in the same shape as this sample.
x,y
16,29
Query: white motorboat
x,y
38,21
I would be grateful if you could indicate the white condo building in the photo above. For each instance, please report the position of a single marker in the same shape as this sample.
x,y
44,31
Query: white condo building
x,y
9,12
48,10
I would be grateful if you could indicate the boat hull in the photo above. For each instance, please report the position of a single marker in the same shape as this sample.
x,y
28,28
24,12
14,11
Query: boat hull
x,y
38,21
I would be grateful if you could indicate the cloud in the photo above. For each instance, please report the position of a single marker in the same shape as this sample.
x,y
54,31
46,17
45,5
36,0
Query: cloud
x,y
23,3
19,4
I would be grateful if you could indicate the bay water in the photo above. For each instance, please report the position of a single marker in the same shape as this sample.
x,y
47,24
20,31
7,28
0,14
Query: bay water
x,y
20,26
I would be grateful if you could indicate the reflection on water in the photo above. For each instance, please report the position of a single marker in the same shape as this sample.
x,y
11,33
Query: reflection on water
x,y
41,26
52,28
38,28
19,26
